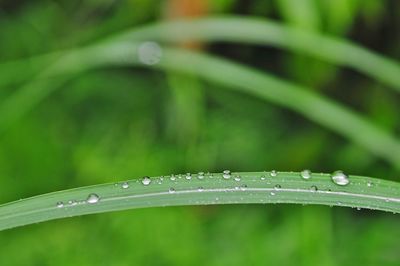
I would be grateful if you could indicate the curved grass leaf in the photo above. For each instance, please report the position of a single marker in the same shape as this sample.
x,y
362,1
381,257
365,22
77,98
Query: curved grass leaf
x,y
266,32
302,100
243,30
325,112
236,188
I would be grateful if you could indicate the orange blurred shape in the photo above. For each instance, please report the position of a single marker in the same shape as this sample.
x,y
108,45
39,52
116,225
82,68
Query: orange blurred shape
x,y
187,8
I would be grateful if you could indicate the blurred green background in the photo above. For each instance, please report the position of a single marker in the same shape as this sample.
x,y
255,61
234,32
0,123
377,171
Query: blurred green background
x,y
119,123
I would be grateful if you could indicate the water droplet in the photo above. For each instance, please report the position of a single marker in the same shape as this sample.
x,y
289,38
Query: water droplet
x,y
273,173
272,193
226,174
188,176
314,188
60,204
171,190
172,178
340,178
370,184
146,180
237,178
277,187
200,189
92,198
149,53
125,185
200,175
243,187
305,174
262,177
72,202
358,209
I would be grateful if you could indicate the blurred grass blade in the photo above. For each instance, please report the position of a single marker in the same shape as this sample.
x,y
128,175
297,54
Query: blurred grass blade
x,y
297,98
302,100
244,30
60,68
237,188
17,71
234,76
265,32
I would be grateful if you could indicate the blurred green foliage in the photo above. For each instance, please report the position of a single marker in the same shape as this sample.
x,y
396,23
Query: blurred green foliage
x,y
117,123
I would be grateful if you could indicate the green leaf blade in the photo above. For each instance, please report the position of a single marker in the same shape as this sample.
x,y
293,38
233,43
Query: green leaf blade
x,y
240,188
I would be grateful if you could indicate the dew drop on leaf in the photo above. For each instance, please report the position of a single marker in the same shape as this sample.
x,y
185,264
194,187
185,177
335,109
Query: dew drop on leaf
x,y
171,190
60,204
340,178
273,173
146,180
72,202
226,174
125,185
200,175
92,198
305,174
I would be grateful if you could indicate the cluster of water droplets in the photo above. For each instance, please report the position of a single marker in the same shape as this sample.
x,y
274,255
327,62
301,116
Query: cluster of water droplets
x,y
339,178
306,174
91,199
